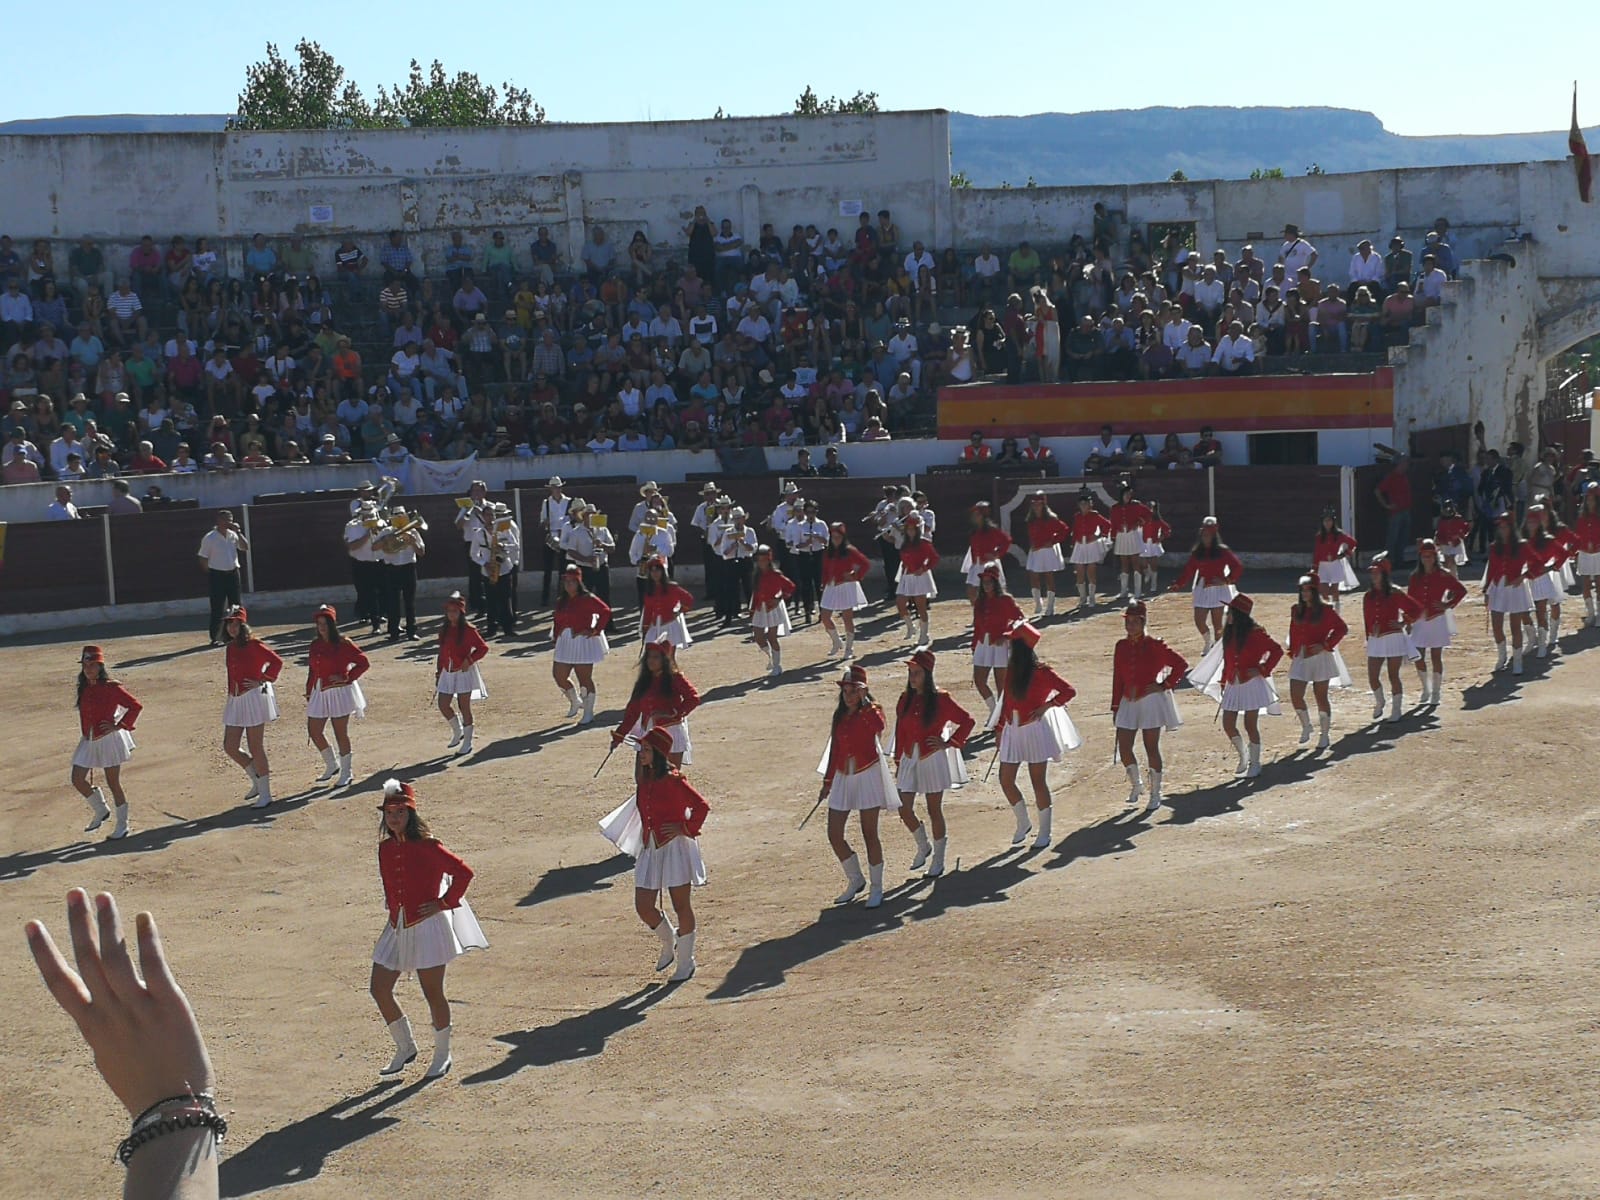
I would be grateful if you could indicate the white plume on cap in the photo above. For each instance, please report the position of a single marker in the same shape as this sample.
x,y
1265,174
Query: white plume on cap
x,y
391,787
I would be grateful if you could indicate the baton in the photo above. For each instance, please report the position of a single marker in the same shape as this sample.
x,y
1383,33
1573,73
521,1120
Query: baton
x,y
607,758
813,811
992,758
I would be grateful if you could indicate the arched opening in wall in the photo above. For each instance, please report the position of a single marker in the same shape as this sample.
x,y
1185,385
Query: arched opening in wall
x,y
1566,415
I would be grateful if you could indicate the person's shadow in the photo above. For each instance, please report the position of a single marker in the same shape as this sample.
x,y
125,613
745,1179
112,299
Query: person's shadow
x,y
571,1038
298,1152
576,880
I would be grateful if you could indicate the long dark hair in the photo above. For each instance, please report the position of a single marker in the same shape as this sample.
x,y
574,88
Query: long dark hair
x,y
660,764
456,630
1387,582
244,636
416,829
1019,667
1240,626
929,695
842,549
583,590
1324,534
1216,548
1046,513
669,671
1511,544
84,681
842,709
334,636
1308,612
650,578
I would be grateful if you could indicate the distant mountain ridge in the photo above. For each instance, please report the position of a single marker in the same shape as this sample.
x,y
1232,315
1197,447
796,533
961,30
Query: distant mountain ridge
x,y
1115,146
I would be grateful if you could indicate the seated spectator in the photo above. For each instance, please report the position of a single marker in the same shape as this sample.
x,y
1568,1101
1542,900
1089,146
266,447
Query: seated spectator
x,y
1435,244
1430,282
1195,355
1023,267
1363,313
975,451
1081,350
1119,357
873,431
1397,315
1331,328
1296,323
1209,295
1105,454
1366,267
1396,265
1235,354
1208,450
1036,452
145,462
398,262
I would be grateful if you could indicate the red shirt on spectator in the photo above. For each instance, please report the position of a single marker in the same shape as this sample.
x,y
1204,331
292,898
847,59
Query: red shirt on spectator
x,y
1394,489
978,453
146,464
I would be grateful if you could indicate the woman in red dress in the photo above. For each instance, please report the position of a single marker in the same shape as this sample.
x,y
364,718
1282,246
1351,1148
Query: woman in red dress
x,y
1332,552
580,619
671,814
856,779
1315,631
1437,592
1156,532
1214,570
1034,729
929,730
1505,589
843,569
769,611
1144,673
106,716
662,698
1090,532
664,606
457,679
1586,546
1388,614
1128,517
252,668
1237,672
916,588
332,694
1046,532
993,615
988,543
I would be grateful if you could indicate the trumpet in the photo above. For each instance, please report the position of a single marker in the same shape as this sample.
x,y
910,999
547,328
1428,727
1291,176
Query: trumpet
x,y
409,522
388,485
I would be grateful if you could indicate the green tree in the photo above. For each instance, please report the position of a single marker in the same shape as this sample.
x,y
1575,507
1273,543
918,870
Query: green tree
x,y
310,94
1267,173
811,105
441,100
1177,177
960,180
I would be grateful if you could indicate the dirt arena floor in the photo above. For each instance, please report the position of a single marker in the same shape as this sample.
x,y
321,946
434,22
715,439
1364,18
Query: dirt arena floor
x,y
1369,973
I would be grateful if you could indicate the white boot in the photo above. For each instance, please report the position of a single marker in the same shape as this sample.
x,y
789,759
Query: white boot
x,y
992,702
911,628
1427,687
1049,604
1397,704
1500,656
466,741
263,791
1138,579
588,708
255,783
98,812
455,732
1555,632
1324,723
1254,768
685,958
1208,638
1134,790
1043,840
1155,793
573,703
1038,603
1542,643
875,894
405,1047
924,847
441,1054
1122,586
121,831
850,643
1377,704
1438,685
1305,725
922,632
330,765
1083,596
854,881
669,943
1019,810
1589,610
777,660
834,644
347,771
1238,745
936,867
1516,661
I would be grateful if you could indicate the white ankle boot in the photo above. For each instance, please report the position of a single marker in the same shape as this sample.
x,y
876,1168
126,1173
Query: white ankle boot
x,y
1043,840
1541,641
98,812
777,661
924,847
1377,704
669,943
455,733
263,791
1397,705
1243,765
855,882
1516,661
834,644
1305,725
588,708
685,958
466,741
850,645
1325,724
405,1047
347,771
330,765
255,783
1138,580
573,703
1155,793
1254,768
1019,810
1038,603
442,1061
1589,610
936,866
1134,790
1500,656
875,893
1049,604
121,830
1122,586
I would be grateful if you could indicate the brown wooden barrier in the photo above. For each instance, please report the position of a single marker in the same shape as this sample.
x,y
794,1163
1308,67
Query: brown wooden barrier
x,y
52,566
155,555
1273,509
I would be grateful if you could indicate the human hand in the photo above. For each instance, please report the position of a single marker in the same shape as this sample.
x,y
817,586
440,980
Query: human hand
x,y
147,1044
103,728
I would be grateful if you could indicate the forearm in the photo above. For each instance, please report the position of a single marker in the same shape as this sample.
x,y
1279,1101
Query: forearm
x,y
176,1166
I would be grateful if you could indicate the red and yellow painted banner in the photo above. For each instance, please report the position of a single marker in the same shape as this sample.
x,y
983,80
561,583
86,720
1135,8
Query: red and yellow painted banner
x,y
1256,404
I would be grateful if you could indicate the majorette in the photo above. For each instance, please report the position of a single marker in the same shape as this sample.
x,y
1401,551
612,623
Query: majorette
x,y
929,730
579,623
457,679
671,814
856,778
106,715
252,705
1315,631
1144,672
1034,729
333,693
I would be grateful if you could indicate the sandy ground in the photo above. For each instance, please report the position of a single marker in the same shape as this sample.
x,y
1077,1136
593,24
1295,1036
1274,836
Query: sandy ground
x,y
1369,973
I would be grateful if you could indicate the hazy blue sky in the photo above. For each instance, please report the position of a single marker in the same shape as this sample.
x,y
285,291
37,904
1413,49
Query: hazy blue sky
x,y
1474,72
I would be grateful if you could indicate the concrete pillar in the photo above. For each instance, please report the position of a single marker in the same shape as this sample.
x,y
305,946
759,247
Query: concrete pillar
x,y
750,215
943,222
572,193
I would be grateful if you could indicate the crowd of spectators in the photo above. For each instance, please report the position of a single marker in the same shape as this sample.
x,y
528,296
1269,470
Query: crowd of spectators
x,y
1107,455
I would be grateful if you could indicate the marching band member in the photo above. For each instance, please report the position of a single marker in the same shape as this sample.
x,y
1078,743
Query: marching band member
x,y
769,614
843,569
471,525
994,612
1505,589
788,510
704,517
806,538
580,621
671,814
929,730
1214,570
428,924
855,778
1451,534
1331,553
1090,536
1436,592
1128,517
656,537
665,604
920,505
588,547
399,548
1046,532
553,525
1586,539
1548,546
106,715
366,572
736,545
662,699
1237,672
987,544
1388,614
1144,672
883,518
916,588
498,552
1315,631
455,672
332,693
641,510
252,666
1034,729
1156,532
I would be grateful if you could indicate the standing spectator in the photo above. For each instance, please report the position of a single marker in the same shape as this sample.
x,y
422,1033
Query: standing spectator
x,y
1296,251
86,264
1331,325
1015,326
122,502
1023,267
16,313
349,261
599,255
1367,267
398,261
1396,265
260,261
1430,283
62,508
144,267
459,256
1394,493
1209,295
219,558
1443,255
985,276
499,264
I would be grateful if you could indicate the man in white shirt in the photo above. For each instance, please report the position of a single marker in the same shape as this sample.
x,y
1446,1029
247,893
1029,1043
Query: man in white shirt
x,y
917,260
737,548
1209,293
398,553
62,508
985,274
553,526
755,326
1296,251
219,559
806,539
1366,267
365,572
665,325
903,347
64,445
701,521
1175,333
1195,354
1235,354
588,547
788,510
1430,282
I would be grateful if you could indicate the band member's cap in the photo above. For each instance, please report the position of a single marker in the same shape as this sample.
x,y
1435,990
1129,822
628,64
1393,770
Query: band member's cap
x,y
708,489
1242,604
891,488
839,527
923,659
1380,562
1305,581
577,508
649,489
326,610
94,654
1021,631
738,514
791,488
658,739
236,613
456,601
364,486
854,676
398,795
992,570
554,482
1136,609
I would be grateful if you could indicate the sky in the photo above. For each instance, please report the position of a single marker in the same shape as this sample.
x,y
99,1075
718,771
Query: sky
x,y
634,60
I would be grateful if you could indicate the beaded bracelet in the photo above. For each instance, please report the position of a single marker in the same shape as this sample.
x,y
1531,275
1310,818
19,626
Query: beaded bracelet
x,y
205,1100
197,1118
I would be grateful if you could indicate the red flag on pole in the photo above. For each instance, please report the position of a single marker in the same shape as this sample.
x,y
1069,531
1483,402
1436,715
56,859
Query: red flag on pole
x,y
1580,154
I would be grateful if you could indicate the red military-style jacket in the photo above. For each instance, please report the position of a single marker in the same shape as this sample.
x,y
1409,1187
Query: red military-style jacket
x,y
102,702
912,729
412,873
251,664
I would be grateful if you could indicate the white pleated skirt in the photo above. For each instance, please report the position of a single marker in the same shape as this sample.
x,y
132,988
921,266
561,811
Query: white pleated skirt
x,y
941,772
574,648
669,866
1088,553
1327,667
1158,710
1391,645
1456,552
467,683
109,750
675,631
872,787
1152,550
843,597
680,735
1214,597
342,701
775,618
1588,564
431,942
973,571
992,654
1129,543
1046,559
256,707
1434,633
1510,598
1547,587
918,584
1568,579
1044,740
1338,573
1257,695
623,828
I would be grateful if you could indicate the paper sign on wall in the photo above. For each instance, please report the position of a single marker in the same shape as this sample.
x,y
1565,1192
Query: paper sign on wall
x,y
850,208
322,214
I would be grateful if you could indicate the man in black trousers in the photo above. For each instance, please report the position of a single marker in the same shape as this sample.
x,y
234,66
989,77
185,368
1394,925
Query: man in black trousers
x,y
219,559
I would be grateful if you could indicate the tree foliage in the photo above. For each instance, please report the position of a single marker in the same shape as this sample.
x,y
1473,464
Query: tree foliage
x,y
313,93
1267,173
960,180
1177,177
811,105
